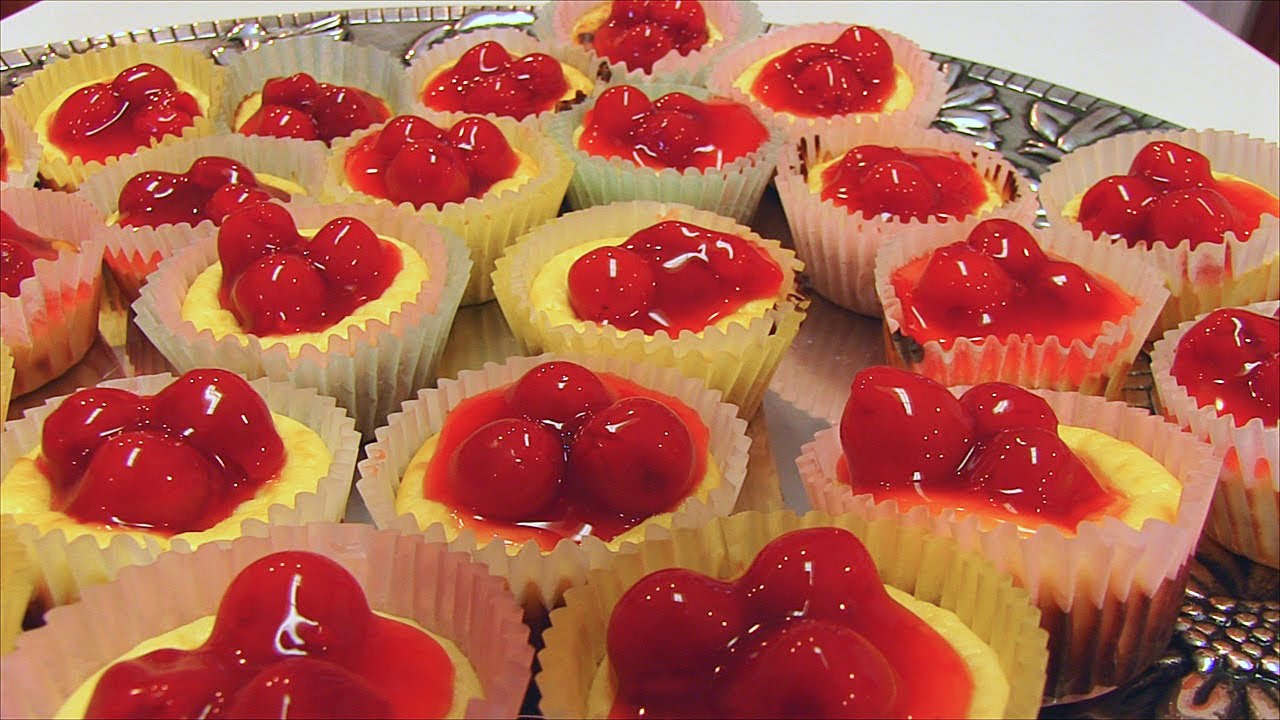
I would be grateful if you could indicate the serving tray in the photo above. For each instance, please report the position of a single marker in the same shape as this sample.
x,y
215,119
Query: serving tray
x,y
1223,660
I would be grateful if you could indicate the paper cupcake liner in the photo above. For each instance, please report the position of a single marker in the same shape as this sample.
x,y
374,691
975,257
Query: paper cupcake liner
x,y
442,591
762,488
736,22
72,561
488,224
935,570
1098,367
1245,508
6,381
50,325
739,361
539,578
733,190
339,63
17,583
370,370
929,85
1236,272
134,253
480,335
1110,593
22,143
44,87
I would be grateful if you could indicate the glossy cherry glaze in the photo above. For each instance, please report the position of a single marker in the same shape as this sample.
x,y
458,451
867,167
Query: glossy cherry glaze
x,y
674,131
853,74
299,107
997,283
276,282
210,189
177,461
565,453
294,637
807,631
993,451
1230,361
1169,196
489,80
19,250
672,276
102,120
893,183
639,33
411,160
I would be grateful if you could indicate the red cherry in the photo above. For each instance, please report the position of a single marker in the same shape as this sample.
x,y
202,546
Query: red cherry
x,y
404,128
280,293
339,111
610,283
498,93
487,57
1263,383
303,687
487,152
160,120
618,109
427,173
1172,166
82,423
857,161
898,188
352,256
1072,286
823,573
1226,343
154,197
136,83
637,47
799,57
997,406
230,198
174,100
1118,205
1009,243
560,393
830,84
676,15
296,91
671,137
962,278
869,51
542,73
1200,215
1030,471
212,172
167,683
89,110
509,469
252,232
635,458
281,121
17,263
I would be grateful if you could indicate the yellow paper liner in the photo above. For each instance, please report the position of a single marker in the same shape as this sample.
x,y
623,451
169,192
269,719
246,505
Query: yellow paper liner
x,y
6,381
538,577
71,562
17,583
929,85
490,223
762,488
22,143
133,253
1235,272
838,247
52,322
402,576
1098,367
739,361
736,21
1109,594
733,190
44,87
372,369
1246,505
932,569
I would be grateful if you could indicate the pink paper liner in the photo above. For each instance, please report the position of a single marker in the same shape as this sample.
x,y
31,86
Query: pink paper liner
x,y
52,322
72,563
445,592
372,369
839,248
1243,517
1236,272
1109,594
737,22
22,142
538,577
1098,367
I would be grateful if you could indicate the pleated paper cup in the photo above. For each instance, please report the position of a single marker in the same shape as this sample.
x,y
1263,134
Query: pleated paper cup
x,y
17,583
929,88
538,577
733,190
134,252
1108,594
370,369
1246,505
736,22
6,380
22,146
489,223
932,569
52,322
71,560
1228,274
738,361
1097,367
42,89
404,577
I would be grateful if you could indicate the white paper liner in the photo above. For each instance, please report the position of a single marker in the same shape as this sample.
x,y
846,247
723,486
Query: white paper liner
x,y
370,370
17,583
6,381
444,592
1097,367
52,322
22,143
1244,513
733,190
43,87
133,253
736,21
839,248
490,223
70,563
539,578
1109,594
929,85
1212,275
738,361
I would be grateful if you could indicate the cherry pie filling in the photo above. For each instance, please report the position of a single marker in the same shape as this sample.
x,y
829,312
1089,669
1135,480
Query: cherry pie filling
x,y
889,182
211,189
299,107
638,33
1230,361
855,73
19,250
489,80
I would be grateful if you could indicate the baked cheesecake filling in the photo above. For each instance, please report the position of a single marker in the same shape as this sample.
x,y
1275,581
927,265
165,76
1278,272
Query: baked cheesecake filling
x,y
299,107
212,188
892,183
638,33
1230,361
487,79
855,73
19,250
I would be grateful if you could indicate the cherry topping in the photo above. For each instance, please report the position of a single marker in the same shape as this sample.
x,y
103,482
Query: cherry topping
x,y
610,284
559,393
211,189
1228,361
1200,215
997,406
509,469
19,250
426,172
816,572
644,449
352,257
279,294
103,120
1031,471
167,683
1009,243
959,277
1171,166
638,33
882,181
83,422
302,687
488,80
251,233
853,74
281,121
294,91
299,107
